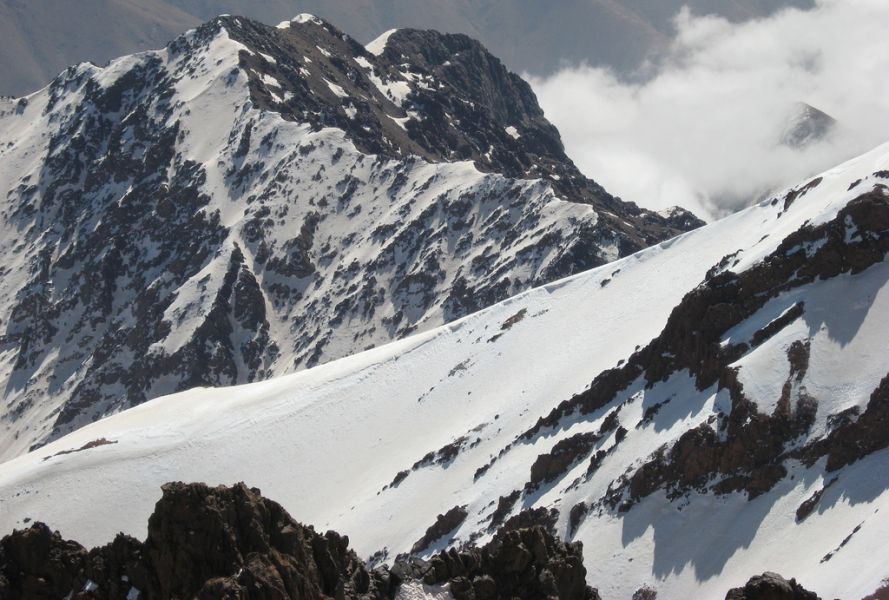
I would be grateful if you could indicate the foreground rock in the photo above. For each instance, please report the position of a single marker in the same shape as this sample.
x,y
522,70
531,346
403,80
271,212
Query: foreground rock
x,y
224,542
202,542
771,586
524,563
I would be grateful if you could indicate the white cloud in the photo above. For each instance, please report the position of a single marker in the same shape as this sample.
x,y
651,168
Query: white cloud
x,y
704,131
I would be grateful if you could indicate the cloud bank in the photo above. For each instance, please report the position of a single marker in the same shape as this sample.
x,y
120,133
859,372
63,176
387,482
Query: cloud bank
x,y
704,131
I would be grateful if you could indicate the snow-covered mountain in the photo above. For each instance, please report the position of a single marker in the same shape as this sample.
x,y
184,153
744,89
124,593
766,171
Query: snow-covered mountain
x,y
806,125
253,200
706,409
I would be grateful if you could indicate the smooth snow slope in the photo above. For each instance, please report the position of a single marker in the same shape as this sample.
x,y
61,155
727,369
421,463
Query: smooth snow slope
x,y
326,442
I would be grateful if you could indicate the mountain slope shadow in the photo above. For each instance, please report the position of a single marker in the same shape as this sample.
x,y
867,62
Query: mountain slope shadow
x,y
720,533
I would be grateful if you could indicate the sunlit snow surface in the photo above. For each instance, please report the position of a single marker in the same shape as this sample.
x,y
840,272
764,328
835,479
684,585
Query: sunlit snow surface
x,y
326,442
378,46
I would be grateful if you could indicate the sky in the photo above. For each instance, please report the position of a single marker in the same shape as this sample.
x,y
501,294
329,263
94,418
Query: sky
x,y
703,130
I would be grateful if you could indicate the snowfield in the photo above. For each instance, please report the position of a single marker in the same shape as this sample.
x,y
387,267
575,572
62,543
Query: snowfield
x,y
327,443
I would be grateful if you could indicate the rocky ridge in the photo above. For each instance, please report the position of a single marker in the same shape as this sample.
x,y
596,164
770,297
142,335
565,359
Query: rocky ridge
x,y
254,200
230,542
770,586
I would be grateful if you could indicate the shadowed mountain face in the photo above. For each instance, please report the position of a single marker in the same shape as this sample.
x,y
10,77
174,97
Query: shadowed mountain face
x,y
253,200
42,37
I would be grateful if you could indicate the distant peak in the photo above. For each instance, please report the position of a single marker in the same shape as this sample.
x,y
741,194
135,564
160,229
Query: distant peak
x,y
806,125
681,218
377,46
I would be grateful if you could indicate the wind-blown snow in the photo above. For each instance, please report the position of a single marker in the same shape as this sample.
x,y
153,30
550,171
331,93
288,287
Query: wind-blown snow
x,y
327,442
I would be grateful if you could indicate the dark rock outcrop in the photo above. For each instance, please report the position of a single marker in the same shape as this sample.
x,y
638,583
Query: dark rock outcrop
x,y
504,507
771,586
202,542
222,542
561,458
526,563
444,524
37,563
533,517
882,593
645,593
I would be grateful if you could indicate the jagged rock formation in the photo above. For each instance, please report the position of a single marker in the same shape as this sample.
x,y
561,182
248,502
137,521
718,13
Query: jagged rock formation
x,y
202,543
252,200
444,524
224,542
771,586
230,542
523,563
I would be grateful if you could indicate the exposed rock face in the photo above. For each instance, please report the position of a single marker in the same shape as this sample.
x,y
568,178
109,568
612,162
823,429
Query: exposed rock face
x,y
880,594
771,586
533,517
223,542
253,200
253,540
563,455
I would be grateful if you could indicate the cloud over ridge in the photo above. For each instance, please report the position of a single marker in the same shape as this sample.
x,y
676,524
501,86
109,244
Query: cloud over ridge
x,y
704,129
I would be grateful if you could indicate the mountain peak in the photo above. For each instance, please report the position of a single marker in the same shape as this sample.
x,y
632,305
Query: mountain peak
x,y
806,125
441,97
305,199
